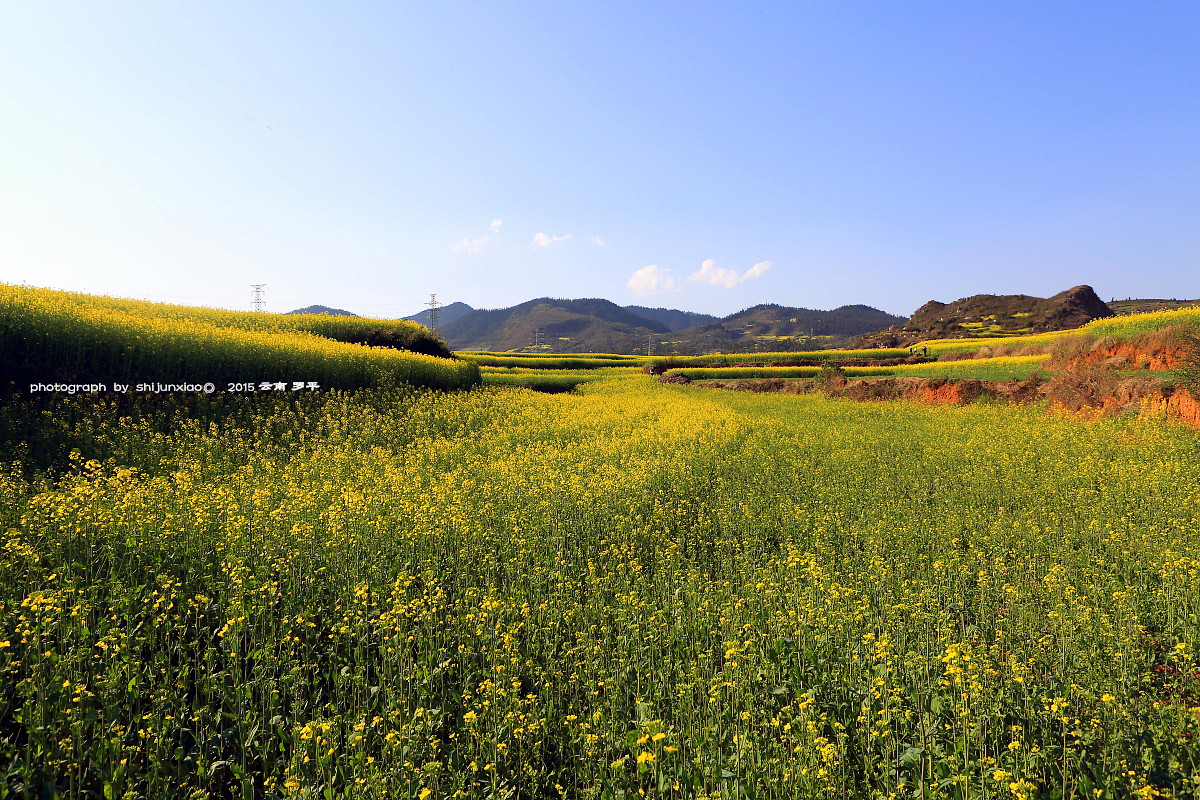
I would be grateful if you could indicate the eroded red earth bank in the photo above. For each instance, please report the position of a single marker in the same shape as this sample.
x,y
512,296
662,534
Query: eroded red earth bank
x,y
1088,379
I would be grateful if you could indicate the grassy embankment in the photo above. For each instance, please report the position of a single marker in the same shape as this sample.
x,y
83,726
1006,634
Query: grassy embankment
x,y
551,372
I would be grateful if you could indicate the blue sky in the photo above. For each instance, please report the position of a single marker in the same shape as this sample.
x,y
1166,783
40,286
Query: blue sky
x,y
705,156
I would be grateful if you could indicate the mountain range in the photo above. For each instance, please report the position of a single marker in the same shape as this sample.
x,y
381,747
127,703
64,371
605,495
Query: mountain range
x,y
593,325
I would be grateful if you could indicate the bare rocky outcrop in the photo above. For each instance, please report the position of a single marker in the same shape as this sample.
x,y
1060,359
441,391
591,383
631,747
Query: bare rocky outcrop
x,y
1070,309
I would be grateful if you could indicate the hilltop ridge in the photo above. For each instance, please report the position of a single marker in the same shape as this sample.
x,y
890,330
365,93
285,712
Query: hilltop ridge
x,y
994,315
333,312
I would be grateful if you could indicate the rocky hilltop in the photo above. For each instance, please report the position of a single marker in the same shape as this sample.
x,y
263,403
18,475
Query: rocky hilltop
x,y
986,315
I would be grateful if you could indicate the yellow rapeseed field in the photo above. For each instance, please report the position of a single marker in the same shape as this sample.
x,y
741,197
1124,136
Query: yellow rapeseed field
x,y
635,590
1126,326
77,337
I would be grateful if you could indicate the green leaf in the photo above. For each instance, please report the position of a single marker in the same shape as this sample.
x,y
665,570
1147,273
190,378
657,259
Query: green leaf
x,y
910,757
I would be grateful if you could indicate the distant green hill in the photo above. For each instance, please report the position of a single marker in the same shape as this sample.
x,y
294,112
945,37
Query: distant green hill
x,y
446,314
770,319
770,326
674,319
336,312
599,326
588,325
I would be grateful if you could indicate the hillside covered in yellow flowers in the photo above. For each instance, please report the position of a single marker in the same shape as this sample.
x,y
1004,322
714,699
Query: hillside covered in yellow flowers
x,y
49,337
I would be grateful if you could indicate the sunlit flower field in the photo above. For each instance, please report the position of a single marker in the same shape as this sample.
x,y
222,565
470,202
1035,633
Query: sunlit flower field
x,y
635,590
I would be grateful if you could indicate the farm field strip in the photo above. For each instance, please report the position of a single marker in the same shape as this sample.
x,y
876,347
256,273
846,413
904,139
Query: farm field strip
x,y
608,371
1130,325
560,379
766,358
997,368
546,362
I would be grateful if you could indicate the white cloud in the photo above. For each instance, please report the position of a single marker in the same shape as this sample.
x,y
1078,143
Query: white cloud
x,y
713,275
596,240
469,245
652,279
545,240
474,244
710,273
758,270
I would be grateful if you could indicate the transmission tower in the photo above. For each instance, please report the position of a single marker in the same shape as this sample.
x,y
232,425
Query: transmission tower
x,y
433,312
260,304
649,345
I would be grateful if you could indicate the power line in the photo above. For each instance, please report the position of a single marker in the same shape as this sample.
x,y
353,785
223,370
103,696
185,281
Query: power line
x,y
433,313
